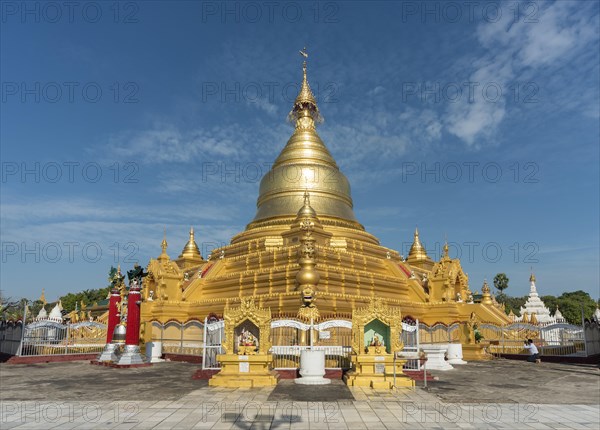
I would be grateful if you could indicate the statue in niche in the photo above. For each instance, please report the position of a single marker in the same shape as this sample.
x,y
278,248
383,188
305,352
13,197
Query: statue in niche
x,y
247,343
376,346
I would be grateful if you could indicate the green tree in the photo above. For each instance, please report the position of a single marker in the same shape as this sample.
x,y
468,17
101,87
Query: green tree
x,y
512,303
571,303
88,297
501,282
551,303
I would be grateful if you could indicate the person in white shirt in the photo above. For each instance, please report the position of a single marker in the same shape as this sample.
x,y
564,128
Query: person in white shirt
x,y
533,352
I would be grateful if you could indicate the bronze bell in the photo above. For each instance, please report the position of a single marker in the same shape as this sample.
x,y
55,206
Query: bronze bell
x,y
119,334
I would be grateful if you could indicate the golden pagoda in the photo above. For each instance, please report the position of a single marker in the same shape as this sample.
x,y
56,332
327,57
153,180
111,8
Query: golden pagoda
x,y
262,261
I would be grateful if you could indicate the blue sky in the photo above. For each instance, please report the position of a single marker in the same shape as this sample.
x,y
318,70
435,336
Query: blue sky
x,y
477,123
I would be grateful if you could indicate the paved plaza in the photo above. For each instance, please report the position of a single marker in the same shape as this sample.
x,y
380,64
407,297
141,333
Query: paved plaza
x,y
492,395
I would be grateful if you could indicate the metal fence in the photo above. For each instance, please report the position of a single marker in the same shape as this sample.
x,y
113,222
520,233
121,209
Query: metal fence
x,y
53,338
558,339
214,335
411,339
179,338
439,333
291,336
10,336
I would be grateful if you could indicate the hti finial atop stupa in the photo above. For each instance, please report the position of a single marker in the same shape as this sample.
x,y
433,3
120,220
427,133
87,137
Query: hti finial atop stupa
x,y
305,113
532,277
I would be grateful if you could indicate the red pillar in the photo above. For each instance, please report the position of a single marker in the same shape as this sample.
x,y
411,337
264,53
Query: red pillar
x,y
113,314
132,336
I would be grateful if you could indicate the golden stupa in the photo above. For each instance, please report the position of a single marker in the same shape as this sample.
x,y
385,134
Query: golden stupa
x,y
352,266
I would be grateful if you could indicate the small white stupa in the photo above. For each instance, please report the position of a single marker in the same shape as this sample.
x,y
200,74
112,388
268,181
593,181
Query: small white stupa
x,y
535,307
56,314
42,314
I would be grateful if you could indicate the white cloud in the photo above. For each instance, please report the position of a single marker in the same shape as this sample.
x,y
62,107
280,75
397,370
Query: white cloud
x,y
515,48
168,144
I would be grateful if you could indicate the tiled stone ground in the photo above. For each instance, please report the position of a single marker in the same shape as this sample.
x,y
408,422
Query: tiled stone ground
x,y
66,398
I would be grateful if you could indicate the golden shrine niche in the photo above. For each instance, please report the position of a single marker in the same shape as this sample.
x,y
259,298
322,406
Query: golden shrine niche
x,y
376,331
246,361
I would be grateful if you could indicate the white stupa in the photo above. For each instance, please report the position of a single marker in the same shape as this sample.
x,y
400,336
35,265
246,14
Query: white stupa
x,y
42,314
56,314
597,314
535,306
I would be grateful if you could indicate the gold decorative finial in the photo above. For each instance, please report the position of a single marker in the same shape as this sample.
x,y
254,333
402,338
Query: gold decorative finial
x,y
446,248
164,243
163,255
43,298
306,211
190,250
532,277
417,250
486,298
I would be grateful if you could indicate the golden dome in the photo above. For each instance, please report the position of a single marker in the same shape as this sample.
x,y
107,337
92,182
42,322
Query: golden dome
x,y
190,250
305,164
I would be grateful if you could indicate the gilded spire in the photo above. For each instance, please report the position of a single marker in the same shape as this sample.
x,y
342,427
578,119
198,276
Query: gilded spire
x,y
445,250
417,250
163,255
305,112
307,277
532,277
486,298
164,243
190,250
43,298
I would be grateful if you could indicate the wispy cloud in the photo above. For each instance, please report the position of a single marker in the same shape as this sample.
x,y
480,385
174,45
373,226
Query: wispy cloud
x,y
560,36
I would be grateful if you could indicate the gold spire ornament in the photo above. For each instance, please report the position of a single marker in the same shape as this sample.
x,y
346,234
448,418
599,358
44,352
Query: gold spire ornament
x,y
417,251
43,298
486,298
190,250
445,251
307,277
305,113
163,246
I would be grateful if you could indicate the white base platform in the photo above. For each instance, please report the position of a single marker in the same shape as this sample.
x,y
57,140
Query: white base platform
x,y
436,356
455,354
